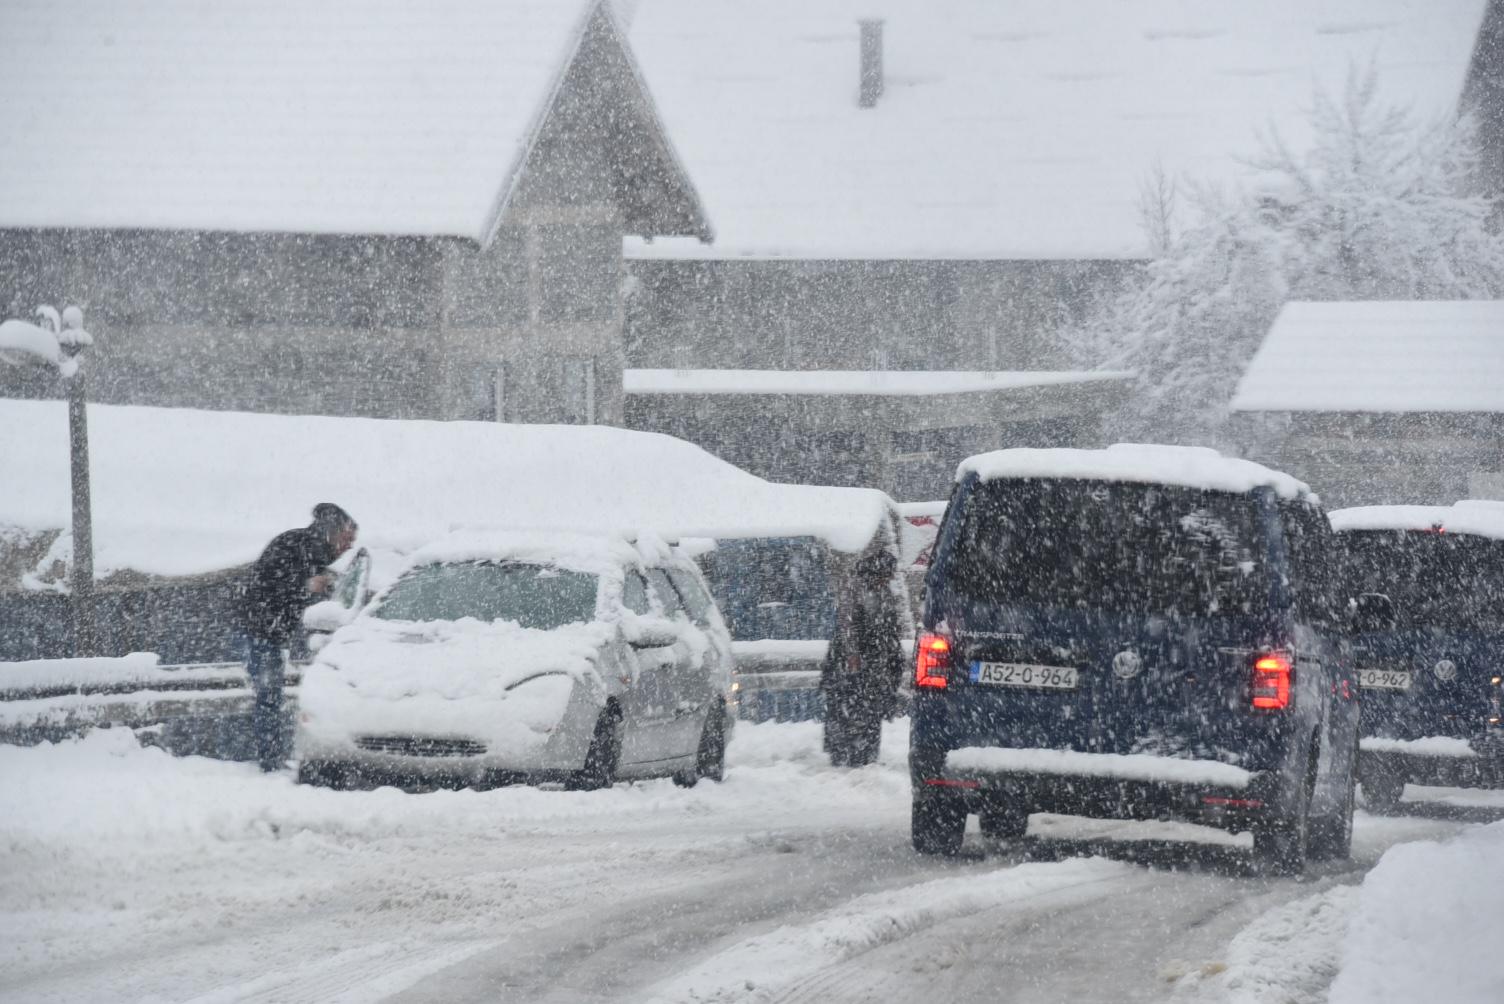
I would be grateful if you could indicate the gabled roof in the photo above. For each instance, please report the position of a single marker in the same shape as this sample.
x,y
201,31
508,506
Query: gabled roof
x,y
1006,130
1379,356
341,116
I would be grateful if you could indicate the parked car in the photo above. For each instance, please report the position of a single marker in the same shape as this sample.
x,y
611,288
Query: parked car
x,y
524,657
1137,632
1428,594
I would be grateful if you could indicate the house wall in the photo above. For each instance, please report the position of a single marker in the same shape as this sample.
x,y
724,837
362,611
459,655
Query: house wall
x,y
977,315
1378,459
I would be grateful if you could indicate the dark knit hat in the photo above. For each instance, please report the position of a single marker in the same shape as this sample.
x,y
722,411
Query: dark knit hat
x,y
327,514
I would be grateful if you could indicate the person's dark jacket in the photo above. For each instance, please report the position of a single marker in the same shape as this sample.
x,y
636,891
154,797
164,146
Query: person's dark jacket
x,y
276,592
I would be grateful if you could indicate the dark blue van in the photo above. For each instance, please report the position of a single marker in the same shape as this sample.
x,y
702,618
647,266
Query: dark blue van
x,y
1427,584
1140,632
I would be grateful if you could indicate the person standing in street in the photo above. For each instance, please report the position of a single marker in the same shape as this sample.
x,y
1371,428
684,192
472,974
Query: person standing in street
x,y
863,667
291,573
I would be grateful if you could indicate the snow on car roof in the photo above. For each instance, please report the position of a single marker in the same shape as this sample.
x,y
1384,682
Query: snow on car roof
x,y
594,554
1478,517
182,491
1379,355
1005,130
1185,466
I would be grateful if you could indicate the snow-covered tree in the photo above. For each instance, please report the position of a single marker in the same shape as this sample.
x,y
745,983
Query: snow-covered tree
x,y
1378,207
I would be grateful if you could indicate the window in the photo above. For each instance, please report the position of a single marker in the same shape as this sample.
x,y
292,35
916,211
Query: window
x,y
577,386
667,594
534,596
634,594
695,598
1309,537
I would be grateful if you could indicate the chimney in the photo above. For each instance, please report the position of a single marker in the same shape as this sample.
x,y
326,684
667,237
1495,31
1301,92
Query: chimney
x,y
872,61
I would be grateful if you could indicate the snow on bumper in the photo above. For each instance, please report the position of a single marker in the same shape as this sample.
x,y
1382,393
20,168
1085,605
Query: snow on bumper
x,y
540,726
1108,785
979,760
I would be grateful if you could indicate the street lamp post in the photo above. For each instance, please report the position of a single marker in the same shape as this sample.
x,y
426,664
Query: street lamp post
x,y
56,344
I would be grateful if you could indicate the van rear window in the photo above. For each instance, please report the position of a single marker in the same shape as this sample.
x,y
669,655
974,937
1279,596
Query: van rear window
x,y
1443,580
1110,546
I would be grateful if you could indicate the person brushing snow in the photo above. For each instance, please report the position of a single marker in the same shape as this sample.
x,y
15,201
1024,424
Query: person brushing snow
x,y
291,573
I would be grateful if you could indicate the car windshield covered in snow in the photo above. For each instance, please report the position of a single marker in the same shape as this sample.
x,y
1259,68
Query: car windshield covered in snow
x,y
532,595
1112,546
1442,580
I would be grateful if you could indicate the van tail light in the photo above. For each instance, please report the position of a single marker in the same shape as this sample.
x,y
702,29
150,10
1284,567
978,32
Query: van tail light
x,y
932,661
1271,681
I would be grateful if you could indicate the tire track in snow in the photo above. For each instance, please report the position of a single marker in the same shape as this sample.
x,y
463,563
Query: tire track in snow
x,y
791,963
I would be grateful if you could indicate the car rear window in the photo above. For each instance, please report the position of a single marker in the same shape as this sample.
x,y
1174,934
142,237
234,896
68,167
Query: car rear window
x,y
532,595
1443,580
1120,547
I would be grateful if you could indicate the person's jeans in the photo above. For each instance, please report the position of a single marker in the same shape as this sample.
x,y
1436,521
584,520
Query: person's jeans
x,y
266,665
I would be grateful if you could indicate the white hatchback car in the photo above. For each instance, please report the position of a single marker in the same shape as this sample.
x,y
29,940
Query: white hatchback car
x,y
524,657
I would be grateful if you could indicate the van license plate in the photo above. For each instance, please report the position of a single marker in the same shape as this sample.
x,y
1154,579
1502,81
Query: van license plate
x,y
1384,679
1023,674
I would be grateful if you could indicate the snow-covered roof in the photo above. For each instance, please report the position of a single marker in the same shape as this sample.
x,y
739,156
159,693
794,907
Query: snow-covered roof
x,y
852,383
1477,517
343,116
1185,466
1381,355
1019,130
177,491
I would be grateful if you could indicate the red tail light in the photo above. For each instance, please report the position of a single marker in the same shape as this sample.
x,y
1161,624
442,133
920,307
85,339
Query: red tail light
x,y
1271,681
931,661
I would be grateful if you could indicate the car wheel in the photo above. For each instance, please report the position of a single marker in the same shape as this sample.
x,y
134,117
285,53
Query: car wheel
x,y
1004,822
1332,836
937,825
1382,791
322,775
1282,843
603,756
710,762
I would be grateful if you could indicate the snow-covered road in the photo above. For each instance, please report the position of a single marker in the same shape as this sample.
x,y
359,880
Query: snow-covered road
x,y
129,875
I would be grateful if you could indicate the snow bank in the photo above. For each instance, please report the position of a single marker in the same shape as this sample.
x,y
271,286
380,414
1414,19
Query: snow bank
x,y
45,673
1186,466
1428,924
1128,766
1428,746
179,491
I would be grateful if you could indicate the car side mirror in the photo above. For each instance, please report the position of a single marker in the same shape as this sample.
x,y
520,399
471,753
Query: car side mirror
x,y
327,617
1372,612
649,632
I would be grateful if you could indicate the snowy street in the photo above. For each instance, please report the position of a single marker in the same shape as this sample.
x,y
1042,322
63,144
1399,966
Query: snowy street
x,y
154,878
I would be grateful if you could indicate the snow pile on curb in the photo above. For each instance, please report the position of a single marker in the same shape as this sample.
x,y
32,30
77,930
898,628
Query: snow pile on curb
x,y
1428,924
40,673
1288,954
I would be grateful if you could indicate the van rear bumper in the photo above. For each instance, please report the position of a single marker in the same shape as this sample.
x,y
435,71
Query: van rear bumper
x,y
1229,807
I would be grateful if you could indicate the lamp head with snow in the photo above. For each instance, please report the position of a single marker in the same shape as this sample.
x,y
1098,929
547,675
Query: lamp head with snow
x,y
55,343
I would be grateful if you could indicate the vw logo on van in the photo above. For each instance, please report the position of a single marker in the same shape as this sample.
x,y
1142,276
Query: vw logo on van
x,y
1126,664
1445,669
